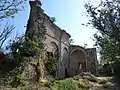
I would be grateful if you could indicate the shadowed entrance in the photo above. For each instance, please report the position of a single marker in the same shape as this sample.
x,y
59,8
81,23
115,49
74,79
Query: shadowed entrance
x,y
77,62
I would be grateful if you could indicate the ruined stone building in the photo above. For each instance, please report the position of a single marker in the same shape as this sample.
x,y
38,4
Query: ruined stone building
x,y
73,59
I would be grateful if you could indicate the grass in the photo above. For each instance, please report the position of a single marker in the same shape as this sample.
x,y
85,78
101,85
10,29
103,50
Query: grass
x,y
68,84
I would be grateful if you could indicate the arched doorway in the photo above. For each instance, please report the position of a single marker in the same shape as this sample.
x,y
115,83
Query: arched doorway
x,y
65,62
54,48
53,56
77,61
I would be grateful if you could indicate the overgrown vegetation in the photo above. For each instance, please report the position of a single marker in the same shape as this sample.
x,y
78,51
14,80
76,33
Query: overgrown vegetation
x,y
10,63
8,9
68,84
53,19
105,18
28,51
51,64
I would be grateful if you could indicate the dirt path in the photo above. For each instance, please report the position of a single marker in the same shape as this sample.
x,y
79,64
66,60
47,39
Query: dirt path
x,y
108,88
110,85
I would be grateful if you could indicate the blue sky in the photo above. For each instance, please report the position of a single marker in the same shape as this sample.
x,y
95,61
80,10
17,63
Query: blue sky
x,y
68,14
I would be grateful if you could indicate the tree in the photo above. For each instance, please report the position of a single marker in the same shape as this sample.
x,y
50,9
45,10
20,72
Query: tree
x,y
4,34
105,17
109,50
8,8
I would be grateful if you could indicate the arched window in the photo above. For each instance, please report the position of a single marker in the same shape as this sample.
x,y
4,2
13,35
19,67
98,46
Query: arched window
x,y
55,49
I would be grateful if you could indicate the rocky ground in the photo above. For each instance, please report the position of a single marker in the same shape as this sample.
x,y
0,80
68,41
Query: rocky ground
x,y
84,81
100,83
108,85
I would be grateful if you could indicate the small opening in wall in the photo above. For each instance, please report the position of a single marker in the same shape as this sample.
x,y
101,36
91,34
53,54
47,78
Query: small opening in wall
x,y
66,75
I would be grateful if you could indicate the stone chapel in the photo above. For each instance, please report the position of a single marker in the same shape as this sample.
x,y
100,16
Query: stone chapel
x,y
73,59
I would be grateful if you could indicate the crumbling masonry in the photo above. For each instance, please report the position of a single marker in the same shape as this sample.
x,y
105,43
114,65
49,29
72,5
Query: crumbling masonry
x,y
73,59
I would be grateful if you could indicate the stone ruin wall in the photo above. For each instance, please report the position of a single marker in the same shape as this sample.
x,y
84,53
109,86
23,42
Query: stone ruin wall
x,y
71,57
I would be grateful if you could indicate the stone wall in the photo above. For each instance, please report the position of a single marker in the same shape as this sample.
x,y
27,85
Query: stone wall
x,y
72,58
56,38
92,62
61,39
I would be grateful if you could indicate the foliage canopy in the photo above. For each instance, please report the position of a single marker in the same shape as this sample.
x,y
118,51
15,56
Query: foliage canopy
x,y
105,17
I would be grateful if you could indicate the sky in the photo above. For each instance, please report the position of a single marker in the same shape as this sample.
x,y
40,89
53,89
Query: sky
x,y
69,16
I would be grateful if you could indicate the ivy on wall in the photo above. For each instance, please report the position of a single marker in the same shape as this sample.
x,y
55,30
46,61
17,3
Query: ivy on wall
x,y
51,64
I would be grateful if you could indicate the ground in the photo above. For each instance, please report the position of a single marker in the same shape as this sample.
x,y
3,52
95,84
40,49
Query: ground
x,y
109,85
84,81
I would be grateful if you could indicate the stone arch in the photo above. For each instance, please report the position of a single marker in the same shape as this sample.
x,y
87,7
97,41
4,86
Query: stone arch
x,y
55,49
77,48
65,62
53,52
78,60
65,56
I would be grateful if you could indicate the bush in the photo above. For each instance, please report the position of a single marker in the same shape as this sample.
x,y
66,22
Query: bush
x,y
47,84
117,68
51,65
66,85
76,77
117,71
17,81
1,54
84,85
105,70
70,84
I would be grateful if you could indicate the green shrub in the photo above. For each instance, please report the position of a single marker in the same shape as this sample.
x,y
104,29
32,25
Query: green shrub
x,y
47,84
51,65
76,77
17,81
84,85
70,84
32,46
66,85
